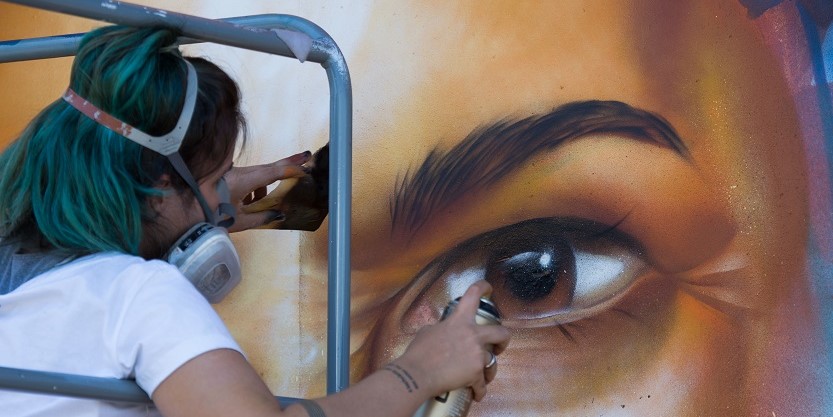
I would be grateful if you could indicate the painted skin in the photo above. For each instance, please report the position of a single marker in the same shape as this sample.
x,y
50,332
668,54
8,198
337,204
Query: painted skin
x,y
719,322
710,244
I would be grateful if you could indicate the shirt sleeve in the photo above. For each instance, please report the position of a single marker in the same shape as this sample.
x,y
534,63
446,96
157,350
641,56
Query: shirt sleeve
x,y
165,323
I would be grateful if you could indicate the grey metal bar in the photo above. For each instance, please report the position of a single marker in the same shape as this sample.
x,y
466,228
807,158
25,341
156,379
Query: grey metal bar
x,y
39,48
66,45
341,174
210,30
109,389
232,33
338,312
80,386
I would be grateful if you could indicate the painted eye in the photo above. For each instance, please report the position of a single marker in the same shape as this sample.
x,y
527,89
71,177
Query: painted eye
x,y
544,272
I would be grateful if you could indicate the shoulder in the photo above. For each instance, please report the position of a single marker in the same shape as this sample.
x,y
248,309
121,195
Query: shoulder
x,y
114,268
120,263
110,278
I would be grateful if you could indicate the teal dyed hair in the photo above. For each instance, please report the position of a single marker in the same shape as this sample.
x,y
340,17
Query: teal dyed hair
x,y
82,188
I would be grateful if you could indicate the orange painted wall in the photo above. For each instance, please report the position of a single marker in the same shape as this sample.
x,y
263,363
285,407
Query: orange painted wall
x,y
696,272
29,86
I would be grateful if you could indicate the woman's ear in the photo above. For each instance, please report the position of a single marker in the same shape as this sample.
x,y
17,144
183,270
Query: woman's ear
x,y
163,182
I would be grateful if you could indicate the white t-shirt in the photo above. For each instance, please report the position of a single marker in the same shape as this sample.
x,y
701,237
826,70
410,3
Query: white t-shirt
x,y
106,315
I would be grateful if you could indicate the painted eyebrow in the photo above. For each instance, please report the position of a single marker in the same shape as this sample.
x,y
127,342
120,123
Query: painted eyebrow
x,y
490,153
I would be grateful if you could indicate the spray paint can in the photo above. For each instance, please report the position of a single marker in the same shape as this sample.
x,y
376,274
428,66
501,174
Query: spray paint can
x,y
456,403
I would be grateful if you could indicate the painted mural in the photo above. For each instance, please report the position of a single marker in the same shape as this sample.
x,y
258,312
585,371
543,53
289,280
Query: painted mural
x,y
646,184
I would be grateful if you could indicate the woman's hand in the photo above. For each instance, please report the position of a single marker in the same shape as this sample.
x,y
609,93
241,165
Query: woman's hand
x,y
248,185
454,352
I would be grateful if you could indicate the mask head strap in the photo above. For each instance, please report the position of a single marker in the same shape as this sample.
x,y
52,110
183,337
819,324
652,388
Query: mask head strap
x,y
225,211
167,145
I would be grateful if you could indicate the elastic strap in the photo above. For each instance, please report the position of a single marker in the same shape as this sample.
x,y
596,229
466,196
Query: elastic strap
x,y
312,408
166,144
180,167
225,211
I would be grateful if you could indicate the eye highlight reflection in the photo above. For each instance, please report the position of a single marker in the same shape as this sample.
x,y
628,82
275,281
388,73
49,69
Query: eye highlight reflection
x,y
544,272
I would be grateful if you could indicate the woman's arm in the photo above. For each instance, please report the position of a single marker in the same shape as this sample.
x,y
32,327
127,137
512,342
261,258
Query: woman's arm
x,y
444,356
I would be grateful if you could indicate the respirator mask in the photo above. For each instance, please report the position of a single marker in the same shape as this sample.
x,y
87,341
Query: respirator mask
x,y
205,253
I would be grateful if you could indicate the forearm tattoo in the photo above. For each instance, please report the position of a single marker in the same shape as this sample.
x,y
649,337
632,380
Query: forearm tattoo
x,y
403,375
312,408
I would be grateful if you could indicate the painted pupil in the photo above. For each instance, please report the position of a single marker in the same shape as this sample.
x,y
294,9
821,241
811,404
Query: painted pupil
x,y
530,275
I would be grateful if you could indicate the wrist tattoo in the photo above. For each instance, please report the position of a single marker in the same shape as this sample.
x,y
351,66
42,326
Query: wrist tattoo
x,y
403,375
312,408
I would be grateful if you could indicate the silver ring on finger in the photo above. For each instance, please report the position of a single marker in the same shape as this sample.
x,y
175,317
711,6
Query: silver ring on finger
x,y
492,361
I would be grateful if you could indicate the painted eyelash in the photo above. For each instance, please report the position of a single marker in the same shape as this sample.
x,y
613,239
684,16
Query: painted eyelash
x,y
613,227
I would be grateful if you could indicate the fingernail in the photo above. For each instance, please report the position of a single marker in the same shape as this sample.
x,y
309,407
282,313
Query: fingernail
x,y
304,154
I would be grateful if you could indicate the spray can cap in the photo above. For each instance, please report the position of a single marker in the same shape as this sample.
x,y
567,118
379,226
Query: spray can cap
x,y
486,308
